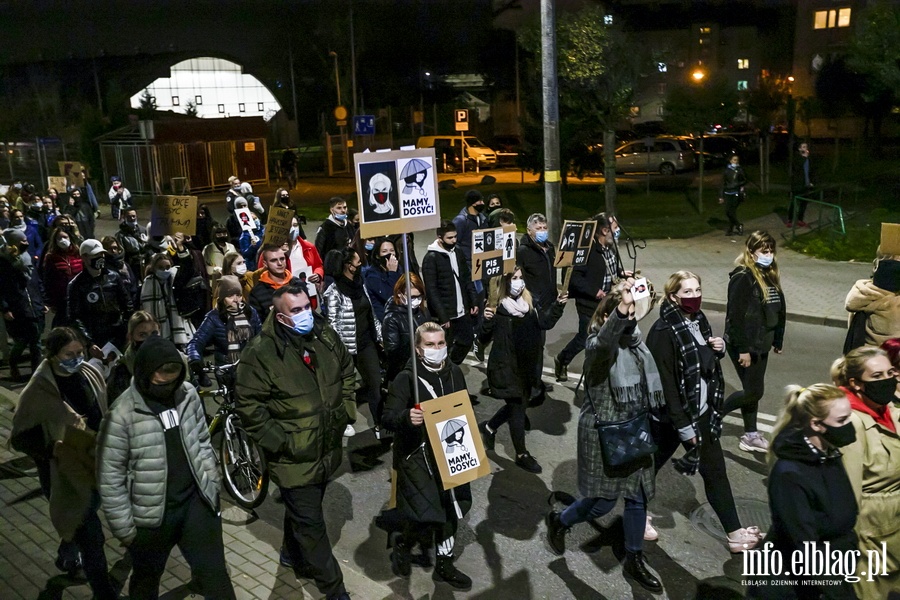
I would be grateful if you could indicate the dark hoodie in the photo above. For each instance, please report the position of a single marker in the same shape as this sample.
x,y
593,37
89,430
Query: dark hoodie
x,y
811,501
162,401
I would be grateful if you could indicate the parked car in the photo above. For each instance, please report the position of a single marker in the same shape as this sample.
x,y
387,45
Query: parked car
x,y
664,155
717,149
447,151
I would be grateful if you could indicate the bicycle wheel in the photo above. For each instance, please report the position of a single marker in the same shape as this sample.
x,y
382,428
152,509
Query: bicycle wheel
x,y
244,470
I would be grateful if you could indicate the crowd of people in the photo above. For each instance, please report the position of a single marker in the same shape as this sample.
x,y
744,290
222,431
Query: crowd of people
x,y
319,327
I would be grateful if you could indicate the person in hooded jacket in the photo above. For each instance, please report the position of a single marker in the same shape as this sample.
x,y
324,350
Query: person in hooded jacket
x,y
755,319
21,301
810,496
732,194
205,225
429,514
381,275
134,240
395,328
872,462
514,324
56,420
115,258
879,298
157,474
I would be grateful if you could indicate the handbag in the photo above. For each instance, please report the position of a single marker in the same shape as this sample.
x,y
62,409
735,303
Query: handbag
x,y
856,331
623,442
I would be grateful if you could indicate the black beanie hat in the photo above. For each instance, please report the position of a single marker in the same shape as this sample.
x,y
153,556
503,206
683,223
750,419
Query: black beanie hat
x,y
473,196
154,353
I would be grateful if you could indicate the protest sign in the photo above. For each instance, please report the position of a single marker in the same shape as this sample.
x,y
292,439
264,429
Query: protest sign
x,y
58,183
397,192
493,251
574,247
245,218
455,440
174,214
890,239
278,227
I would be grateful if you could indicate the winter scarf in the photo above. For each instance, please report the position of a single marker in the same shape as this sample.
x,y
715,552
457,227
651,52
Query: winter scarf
x,y
238,330
629,385
517,307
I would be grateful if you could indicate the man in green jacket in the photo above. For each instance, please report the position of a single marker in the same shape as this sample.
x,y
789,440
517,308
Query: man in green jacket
x,y
295,395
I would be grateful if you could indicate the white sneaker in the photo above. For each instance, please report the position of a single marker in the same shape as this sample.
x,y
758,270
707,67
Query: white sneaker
x,y
650,532
753,442
349,431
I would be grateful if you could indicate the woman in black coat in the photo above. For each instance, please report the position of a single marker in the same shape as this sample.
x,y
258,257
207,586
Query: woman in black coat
x,y
733,181
810,495
395,332
428,513
515,326
381,275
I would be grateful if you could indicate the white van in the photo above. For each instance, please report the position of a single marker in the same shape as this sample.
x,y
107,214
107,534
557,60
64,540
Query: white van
x,y
446,151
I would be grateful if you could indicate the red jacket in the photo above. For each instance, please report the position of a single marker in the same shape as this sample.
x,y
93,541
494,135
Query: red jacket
x,y
312,258
59,270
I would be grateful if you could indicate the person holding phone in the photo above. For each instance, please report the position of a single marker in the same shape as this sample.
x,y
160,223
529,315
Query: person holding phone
x,y
381,275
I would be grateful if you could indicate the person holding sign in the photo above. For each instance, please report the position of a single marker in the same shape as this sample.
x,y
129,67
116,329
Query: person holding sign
x,y
430,514
516,326
621,384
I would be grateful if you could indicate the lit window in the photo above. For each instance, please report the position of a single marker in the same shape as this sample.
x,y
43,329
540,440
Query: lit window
x,y
242,107
743,63
175,101
662,89
198,100
702,41
821,19
635,111
607,19
832,18
260,107
742,85
843,17
662,67
705,30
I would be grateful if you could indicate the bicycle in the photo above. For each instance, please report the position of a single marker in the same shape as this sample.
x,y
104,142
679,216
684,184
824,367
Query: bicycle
x,y
243,464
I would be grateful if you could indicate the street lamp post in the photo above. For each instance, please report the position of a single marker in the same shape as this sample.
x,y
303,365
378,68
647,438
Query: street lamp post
x,y
337,76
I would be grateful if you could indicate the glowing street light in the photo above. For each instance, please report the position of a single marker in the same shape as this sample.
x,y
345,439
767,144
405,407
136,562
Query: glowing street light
x,y
698,75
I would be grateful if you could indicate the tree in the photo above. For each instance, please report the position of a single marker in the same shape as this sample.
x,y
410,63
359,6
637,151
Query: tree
x,y
599,66
764,103
694,107
839,93
148,106
191,109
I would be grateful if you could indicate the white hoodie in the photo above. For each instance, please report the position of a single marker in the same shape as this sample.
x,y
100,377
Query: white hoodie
x,y
460,305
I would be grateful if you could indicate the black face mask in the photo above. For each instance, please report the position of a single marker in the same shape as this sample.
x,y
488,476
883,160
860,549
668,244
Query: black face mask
x,y
162,391
448,247
98,263
478,207
839,437
881,392
221,240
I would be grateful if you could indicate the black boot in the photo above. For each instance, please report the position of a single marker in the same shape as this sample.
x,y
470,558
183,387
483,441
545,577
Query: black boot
x,y
635,568
400,558
445,571
488,438
556,532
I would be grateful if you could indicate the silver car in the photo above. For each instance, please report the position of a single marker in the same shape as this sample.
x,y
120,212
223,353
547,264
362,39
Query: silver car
x,y
664,155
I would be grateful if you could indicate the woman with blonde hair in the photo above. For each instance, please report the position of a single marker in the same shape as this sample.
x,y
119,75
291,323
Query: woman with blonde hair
x,y
515,326
810,495
754,325
873,461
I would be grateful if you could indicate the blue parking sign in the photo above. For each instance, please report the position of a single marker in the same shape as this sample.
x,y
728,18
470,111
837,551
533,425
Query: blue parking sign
x,y
364,125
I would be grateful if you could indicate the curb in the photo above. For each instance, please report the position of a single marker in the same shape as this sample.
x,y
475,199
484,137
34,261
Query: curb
x,y
795,317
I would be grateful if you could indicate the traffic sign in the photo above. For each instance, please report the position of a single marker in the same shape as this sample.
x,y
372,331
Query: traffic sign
x,y
461,118
340,113
364,125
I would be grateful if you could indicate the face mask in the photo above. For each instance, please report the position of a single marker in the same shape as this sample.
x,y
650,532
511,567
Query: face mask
x,y
162,273
221,240
303,322
71,365
98,263
617,234
691,305
434,356
765,260
162,391
839,436
448,247
516,286
478,207
240,269
340,217
541,236
416,302
881,392
295,233
64,243
370,246
256,223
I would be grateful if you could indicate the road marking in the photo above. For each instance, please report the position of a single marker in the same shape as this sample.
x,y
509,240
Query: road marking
x,y
573,381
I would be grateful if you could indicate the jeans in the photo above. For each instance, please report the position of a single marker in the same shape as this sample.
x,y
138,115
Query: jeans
x,y
634,518
576,344
712,467
753,380
369,367
306,539
197,531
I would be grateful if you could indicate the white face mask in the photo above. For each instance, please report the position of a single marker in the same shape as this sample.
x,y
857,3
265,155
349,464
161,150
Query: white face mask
x,y
240,269
434,356
516,286
416,302
64,243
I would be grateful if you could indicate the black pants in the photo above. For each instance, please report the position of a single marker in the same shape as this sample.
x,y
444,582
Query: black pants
x,y
732,201
306,539
460,336
712,467
25,334
576,344
90,540
369,367
753,381
514,413
797,209
197,531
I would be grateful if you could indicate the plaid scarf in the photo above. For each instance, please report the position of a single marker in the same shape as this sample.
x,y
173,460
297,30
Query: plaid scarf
x,y
238,330
687,369
612,273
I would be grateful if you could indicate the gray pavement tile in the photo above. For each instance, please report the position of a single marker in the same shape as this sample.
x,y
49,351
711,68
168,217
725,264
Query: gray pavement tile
x,y
244,594
248,569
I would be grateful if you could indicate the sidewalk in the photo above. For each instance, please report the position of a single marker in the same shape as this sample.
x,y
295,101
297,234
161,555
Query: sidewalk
x,y
28,545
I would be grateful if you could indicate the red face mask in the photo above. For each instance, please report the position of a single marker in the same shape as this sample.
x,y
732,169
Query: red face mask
x,y
691,305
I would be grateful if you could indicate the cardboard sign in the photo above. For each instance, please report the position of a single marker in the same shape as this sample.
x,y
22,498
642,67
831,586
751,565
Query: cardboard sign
x,y
455,440
174,214
493,251
890,239
397,192
71,170
58,183
245,218
575,241
278,227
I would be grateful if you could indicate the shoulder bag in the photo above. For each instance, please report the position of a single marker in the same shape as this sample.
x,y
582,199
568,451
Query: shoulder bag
x,y
623,442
